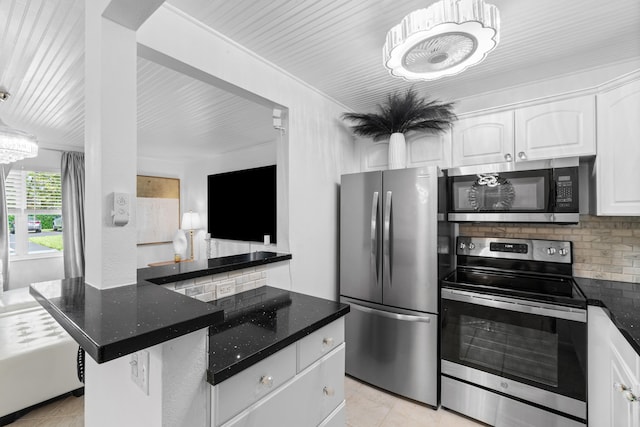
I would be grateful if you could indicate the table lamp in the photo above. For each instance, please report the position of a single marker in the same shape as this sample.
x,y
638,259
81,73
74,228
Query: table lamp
x,y
190,222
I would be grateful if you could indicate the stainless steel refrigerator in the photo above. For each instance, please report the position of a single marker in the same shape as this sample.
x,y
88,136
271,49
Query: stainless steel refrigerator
x,y
389,244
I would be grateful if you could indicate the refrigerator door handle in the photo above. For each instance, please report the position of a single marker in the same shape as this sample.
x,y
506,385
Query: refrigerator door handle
x,y
385,240
390,315
374,236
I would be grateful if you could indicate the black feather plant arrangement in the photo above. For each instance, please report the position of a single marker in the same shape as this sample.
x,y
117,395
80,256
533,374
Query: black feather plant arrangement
x,y
403,113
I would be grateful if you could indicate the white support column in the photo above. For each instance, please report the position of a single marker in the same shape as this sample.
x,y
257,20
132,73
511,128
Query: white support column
x,y
110,147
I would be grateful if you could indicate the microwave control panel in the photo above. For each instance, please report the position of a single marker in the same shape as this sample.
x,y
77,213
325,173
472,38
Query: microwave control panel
x,y
566,186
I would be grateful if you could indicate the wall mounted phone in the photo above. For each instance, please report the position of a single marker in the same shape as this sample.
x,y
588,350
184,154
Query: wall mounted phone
x,y
121,209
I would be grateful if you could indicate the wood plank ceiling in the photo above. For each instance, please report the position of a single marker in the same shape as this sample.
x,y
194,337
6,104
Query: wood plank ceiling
x,y
333,45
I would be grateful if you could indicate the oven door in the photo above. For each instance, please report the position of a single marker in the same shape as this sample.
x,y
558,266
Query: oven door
x,y
533,351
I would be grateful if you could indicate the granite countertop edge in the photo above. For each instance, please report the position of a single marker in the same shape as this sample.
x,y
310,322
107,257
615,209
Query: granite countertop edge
x,y
166,330
105,352
607,294
219,375
167,274
77,333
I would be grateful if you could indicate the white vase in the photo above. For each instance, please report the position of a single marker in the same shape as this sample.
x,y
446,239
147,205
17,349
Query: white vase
x,y
397,151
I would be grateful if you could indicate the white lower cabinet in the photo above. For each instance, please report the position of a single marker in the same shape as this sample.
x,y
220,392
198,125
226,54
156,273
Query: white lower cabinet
x,y
301,385
614,374
338,418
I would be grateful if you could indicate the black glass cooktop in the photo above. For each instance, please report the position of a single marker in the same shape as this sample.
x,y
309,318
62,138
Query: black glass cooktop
x,y
552,289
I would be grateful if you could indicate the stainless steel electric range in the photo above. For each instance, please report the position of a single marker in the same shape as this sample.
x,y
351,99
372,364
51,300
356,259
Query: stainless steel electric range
x,y
514,334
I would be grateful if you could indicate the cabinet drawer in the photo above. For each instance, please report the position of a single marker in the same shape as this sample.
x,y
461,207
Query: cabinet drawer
x,y
317,344
307,400
338,418
252,384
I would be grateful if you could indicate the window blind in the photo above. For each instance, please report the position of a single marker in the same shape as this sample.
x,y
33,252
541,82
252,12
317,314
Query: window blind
x,y
34,191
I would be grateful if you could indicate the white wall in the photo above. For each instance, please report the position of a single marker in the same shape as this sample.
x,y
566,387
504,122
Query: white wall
x,y
27,271
178,392
167,169
196,175
193,196
319,147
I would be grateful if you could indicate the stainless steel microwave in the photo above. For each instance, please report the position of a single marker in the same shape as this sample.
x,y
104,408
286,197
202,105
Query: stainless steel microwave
x,y
537,191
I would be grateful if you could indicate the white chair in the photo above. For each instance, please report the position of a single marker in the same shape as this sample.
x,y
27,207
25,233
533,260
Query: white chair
x,y
37,357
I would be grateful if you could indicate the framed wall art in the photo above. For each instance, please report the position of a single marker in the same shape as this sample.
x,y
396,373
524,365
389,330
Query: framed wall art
x,y
157,209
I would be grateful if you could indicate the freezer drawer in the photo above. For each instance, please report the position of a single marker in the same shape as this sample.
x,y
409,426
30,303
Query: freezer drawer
x,y
394,350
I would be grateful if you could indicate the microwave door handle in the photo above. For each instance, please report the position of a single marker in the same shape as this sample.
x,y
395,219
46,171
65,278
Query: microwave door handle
x,y
553,190
374,237
553,196
386,239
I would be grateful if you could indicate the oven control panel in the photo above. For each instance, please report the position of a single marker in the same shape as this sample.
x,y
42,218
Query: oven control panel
x,y
526,249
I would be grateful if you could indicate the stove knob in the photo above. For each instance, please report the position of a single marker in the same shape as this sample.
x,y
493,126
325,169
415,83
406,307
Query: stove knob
x,y
551,251
463,245
472,246
564,252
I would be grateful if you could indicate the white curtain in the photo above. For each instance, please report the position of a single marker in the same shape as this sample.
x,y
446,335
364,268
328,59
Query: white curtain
x,y
72,177
4,231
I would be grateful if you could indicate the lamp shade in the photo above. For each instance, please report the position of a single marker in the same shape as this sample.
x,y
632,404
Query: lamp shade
x,y
190,220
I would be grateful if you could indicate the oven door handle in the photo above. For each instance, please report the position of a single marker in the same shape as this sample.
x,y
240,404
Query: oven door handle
x,y
521,306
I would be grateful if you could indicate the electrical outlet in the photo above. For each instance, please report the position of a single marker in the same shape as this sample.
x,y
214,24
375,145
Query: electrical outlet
x,y
134,367
225,290
143,360
140,370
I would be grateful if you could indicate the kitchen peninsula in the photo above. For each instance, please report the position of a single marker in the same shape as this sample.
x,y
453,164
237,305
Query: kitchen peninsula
x,y
232,342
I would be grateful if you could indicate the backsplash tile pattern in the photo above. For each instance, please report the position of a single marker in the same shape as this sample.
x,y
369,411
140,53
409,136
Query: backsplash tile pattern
x,y
604,247
212,287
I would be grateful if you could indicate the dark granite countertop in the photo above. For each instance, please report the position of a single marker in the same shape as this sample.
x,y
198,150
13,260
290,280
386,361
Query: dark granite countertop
x,y
260,322
190,270
621,301
110,323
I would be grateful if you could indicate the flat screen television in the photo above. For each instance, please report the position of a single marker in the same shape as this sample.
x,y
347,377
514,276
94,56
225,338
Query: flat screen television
x,y
242,204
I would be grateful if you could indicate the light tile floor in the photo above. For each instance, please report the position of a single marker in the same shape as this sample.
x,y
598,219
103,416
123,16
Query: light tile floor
x,y
366,407
370,407
65,412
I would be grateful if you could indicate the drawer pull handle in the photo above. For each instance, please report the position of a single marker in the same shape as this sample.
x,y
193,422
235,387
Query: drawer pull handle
x,y
508,157
266,380
327,342
328,391
522,155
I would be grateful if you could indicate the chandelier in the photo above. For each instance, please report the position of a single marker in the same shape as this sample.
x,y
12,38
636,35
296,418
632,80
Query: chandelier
x,y
15,144
442,40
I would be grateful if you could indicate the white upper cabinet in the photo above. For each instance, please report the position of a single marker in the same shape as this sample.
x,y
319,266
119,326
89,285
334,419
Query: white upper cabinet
x,y
374,156
483,139
423,149
556,129
618,160
429,150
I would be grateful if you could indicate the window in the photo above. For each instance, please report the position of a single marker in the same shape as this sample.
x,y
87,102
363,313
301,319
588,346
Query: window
x,y
34,202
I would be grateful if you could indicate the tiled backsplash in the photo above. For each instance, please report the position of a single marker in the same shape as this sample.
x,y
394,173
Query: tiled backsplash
x,y
603,247
212,287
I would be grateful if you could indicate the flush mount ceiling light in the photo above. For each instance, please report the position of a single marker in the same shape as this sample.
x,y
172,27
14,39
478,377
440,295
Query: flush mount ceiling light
x,y
442,40
15,144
